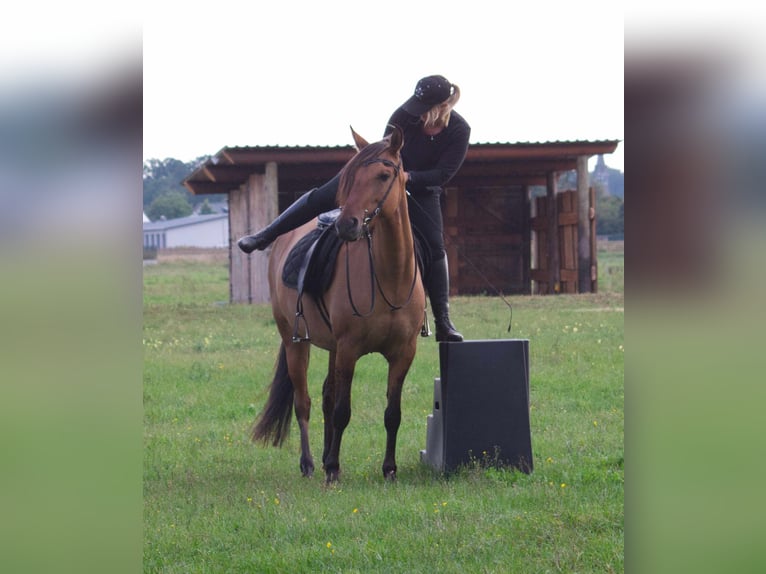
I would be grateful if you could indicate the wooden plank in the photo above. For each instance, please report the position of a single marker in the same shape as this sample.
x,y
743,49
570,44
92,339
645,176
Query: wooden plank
x,y
451,212
526,263
593,246
583,226
263,195
553,234
239,266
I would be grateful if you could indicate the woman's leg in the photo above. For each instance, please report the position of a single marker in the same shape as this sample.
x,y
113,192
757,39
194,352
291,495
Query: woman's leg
x,y
426,217
303,209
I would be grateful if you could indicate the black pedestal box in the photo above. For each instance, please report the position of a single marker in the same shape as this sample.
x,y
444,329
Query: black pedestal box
x,y
481,406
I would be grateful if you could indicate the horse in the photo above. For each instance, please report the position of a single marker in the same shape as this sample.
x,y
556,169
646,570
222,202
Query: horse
x,y
374,304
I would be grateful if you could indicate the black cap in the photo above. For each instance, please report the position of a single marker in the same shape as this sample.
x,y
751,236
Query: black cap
x,y
429,91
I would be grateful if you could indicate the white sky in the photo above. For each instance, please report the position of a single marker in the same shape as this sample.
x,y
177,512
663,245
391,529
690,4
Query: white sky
x,y
299,73
281,72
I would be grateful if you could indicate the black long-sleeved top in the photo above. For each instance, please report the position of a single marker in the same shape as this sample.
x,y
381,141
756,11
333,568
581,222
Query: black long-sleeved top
x,y
431,161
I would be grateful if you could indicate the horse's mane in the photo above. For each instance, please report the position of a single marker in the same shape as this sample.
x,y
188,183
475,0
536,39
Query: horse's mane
x,y
348,173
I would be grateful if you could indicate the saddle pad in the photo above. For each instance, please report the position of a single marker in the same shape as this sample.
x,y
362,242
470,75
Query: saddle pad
x,y
295,258
321,266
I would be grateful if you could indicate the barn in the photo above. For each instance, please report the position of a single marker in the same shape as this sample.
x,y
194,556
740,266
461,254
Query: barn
x,y
508,228
193,231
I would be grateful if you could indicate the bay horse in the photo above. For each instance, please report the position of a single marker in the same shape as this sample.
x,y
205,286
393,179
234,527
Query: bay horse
x,y
374,304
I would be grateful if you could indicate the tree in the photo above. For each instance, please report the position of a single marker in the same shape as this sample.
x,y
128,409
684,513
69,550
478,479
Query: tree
x,y
171,205
163,176
205,209
610,219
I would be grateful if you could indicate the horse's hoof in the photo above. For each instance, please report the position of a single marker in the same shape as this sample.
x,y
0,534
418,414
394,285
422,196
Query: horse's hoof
x,y
333,476
390,475
307,469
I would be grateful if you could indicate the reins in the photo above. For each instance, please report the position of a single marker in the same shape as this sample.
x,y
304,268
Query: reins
x,y
374,279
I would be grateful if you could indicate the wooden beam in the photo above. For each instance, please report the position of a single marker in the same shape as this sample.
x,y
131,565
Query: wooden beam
x,y
208,187
554,266
516,167
231,173
263,209
583,226
539,150
593,246
288,155
239,265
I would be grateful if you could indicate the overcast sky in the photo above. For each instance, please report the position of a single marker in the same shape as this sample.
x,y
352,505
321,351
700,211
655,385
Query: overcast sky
x,y
301,72
287,73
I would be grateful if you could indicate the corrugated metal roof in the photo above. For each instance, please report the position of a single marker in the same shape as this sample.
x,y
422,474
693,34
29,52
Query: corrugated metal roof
x,y
307,166
344,147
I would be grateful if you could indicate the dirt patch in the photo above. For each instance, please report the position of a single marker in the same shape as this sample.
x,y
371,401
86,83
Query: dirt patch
x,y
602,310
199,254
610,246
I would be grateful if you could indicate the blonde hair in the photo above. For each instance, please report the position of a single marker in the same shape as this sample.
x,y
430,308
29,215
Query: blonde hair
x,y
440,113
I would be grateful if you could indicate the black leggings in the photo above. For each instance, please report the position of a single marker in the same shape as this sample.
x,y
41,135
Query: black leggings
x,y
426,218
424,207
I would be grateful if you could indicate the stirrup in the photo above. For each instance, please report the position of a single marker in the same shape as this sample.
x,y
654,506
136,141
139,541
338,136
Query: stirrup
x,y
425,330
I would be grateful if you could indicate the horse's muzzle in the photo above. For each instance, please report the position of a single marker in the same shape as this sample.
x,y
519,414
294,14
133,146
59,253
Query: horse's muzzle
x,y
348,228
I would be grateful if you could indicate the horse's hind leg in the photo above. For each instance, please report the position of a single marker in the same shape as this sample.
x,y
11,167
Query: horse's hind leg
x,y
297,364
398,366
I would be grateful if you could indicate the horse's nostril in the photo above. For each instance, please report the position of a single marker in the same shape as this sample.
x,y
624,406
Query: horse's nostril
x,y
348,229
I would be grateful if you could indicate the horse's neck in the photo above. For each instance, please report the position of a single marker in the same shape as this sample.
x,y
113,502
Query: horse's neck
x,y
393,246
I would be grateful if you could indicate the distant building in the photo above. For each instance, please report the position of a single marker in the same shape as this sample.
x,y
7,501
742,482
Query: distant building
x,y
193,231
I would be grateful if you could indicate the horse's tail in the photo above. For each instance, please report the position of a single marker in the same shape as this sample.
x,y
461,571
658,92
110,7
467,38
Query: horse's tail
x,y
273,423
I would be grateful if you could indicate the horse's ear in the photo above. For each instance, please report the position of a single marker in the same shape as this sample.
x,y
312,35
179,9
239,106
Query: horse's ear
x,y
396,138
359,141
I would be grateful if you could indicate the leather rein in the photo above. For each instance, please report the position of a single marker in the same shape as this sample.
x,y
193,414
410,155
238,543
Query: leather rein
x,y
374,281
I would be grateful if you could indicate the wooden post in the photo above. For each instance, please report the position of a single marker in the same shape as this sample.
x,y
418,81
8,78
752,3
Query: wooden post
x,y
530,261
554,266
239,265
263,209
593,245
251,208
583,226
451,231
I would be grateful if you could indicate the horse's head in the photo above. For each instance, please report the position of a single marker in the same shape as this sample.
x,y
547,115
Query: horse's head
x,y
371,184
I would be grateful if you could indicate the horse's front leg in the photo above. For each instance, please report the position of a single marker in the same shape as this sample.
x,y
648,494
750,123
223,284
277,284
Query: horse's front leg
x,y
341,412
328,405
398,366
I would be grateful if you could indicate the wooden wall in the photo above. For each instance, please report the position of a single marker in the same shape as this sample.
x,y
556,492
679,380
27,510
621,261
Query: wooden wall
x,y
251,207
556,245
487,240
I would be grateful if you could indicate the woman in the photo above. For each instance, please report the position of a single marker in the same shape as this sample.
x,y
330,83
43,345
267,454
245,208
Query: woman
x,y
435,145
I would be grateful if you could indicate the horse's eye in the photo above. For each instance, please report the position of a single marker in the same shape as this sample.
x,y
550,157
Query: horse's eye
x,y
383,176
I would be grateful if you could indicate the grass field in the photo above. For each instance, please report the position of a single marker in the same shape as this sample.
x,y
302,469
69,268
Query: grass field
x,y
215,502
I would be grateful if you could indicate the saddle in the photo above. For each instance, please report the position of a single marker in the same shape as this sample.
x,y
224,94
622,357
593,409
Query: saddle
x,y
307,267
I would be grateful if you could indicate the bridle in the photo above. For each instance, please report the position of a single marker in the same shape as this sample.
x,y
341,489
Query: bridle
x,y
374,281
379,207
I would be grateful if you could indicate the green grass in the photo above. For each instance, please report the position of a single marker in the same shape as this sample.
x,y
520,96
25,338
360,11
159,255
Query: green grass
x,y
215,502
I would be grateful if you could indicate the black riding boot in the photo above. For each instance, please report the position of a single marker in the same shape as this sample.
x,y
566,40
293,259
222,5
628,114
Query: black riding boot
x,y
438,293
301,211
